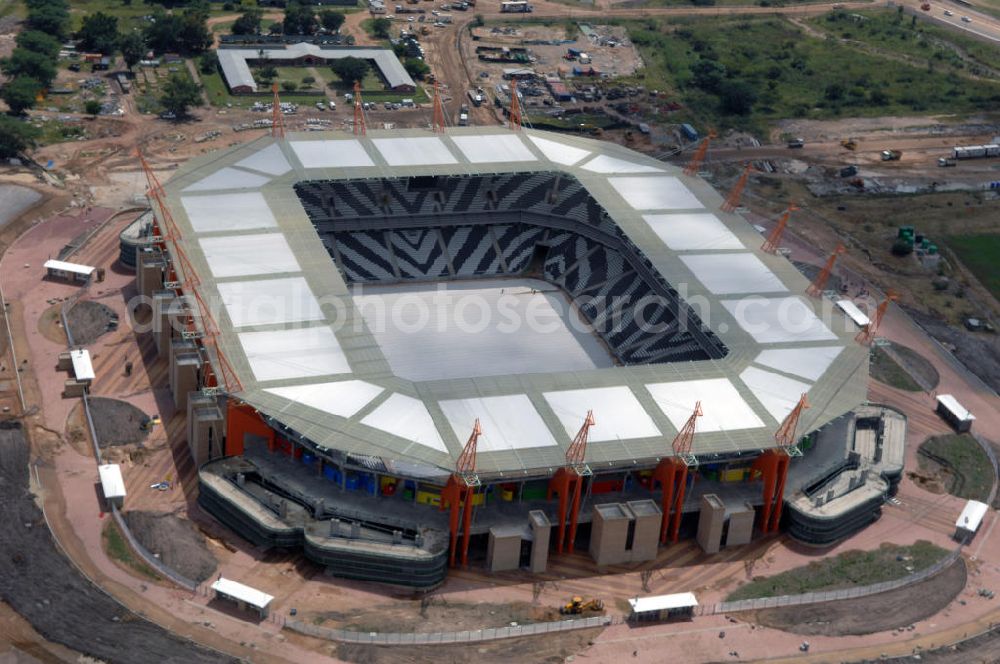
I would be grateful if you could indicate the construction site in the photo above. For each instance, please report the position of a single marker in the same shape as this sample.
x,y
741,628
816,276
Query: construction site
x,y
366,386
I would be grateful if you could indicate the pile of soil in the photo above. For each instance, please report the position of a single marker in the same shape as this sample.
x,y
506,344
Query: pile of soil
x,y
179,544
88,321
117,422
867,615
62,605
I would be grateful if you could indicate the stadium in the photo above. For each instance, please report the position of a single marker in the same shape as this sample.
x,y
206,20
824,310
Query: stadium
x,y
359,354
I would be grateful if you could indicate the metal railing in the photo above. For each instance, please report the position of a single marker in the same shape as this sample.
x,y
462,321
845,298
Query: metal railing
x,y
430,638
831,595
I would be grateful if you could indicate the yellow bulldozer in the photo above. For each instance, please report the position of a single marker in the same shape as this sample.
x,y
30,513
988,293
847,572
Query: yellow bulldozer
x,y
849,143
577,605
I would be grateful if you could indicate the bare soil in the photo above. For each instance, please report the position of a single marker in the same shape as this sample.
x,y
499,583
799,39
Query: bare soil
x,y
117,422
88,321
47,590
437,616
896,609
554,649
50,325
980,353
179,544
982,649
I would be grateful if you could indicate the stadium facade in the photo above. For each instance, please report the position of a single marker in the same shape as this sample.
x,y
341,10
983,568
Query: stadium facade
x,y
319,424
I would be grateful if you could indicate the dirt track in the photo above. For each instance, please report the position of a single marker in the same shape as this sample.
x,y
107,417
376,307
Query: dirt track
x,y
63,606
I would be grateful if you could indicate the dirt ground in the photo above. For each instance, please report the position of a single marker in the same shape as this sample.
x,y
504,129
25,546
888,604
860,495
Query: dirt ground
x,y
888,611
41,585
88,321
979,352
983,649
437,616
117,422
176,540
553,649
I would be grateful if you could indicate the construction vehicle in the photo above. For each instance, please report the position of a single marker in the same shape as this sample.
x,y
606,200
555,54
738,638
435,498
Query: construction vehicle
x,y
891,155
849,144
926,6
796,143
577,605
945,162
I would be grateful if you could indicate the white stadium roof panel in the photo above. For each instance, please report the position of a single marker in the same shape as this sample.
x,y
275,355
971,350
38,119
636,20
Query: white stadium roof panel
x,y
508,422
270,160
618,415
655,193
228,212
245,255
414,151
269,301
344,398
407,418
493,148
776,320
725,274
558,152
692,231
344,153
723,409
297,353
229,178
810,362
602,163
778,394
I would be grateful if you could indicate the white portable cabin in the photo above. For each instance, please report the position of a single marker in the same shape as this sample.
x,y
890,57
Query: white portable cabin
x,y
853,312
663,607
112,484
954,413
970,519
243,595
70,271
83,369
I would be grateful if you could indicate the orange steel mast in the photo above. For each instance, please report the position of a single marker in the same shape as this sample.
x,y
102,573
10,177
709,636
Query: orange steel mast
x,y
867,333
815,289
165,228
569,480
438,122
359,113
773,464
770,245
515,107
277,117
672,474
733,199
459,492
699,156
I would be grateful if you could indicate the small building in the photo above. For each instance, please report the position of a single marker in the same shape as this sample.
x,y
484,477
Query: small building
x,y
954,413
663,607
853,312
83,370
71,271
969,520
112,484
243,595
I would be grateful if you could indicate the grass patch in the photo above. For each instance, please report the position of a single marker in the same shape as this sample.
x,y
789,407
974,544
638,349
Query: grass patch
x,y
748,72
118,550
968,468
846,570
981,254
886,370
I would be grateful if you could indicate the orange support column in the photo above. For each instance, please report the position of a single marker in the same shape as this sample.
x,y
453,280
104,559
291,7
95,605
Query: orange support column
x,y
671,473
675,525
451,496
242,419
467,496
773,467
560,484
575,512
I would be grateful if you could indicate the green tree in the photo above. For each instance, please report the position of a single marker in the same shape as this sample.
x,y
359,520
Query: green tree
x,y
15,136
207,62
416,68
23,62
266,73
275,28
179,94
50,19
39,42
331,20
99,33
133,47
20,94
381,27
707,74
350,69
186,32
289,86
299,19
737,97
248,23
92,107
